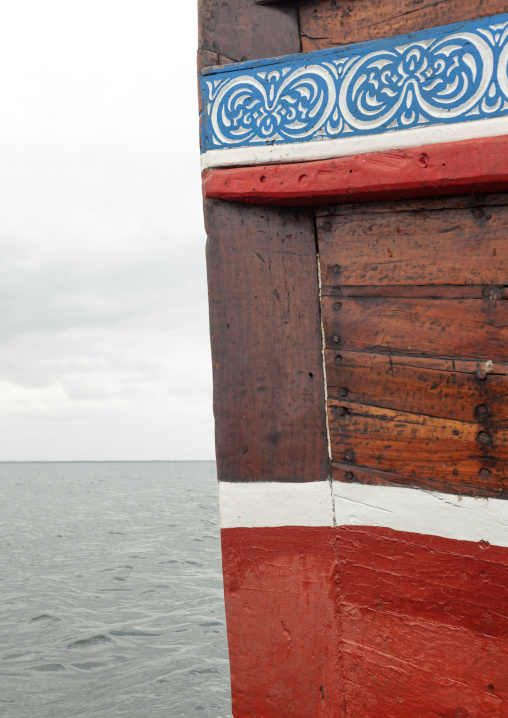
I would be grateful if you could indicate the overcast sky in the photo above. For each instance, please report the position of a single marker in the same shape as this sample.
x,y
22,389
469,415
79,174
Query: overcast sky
x,y
104,348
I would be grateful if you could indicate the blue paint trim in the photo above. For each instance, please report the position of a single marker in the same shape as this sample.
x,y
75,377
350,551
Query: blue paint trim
x,y
453,73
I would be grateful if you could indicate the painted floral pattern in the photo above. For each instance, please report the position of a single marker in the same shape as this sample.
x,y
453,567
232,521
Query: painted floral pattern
x,y
451,74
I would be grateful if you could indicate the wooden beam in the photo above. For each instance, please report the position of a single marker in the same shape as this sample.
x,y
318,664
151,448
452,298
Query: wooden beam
x,y
266,344
476,165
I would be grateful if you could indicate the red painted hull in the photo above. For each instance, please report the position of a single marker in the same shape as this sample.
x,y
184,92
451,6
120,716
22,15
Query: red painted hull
x,y
389,624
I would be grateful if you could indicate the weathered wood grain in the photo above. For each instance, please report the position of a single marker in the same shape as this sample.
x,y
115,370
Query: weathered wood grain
x,y
410,248
466,366
416,291
416,331
207,58
387,381
326,23
242,30
453,328
419,446
281,2
266,344
472,201
345,472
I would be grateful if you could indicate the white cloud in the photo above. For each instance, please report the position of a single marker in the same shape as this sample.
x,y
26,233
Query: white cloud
x,y
104,350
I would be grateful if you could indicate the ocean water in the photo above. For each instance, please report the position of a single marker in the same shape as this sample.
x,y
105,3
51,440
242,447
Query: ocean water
x,y
111,591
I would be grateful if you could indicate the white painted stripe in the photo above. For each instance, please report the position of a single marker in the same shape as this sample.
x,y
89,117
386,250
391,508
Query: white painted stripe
x,y
267,503
422,512
262,504
328,149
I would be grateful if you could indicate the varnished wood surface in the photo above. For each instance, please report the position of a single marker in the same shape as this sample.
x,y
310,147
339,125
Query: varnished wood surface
x,y
481,486
455,328
266,344
417,446
391,382
417,248
327,23
415,322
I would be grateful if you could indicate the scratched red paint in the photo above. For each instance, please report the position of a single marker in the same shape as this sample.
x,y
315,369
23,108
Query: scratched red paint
x,y
384,623
477,165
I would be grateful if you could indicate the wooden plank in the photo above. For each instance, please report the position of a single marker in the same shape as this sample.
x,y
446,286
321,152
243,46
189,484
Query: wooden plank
x,y
414,205
476,165
371,567
450,328
326,24
466,366
418,446
427,248
417,291
386,382
480,487
266,344
242,30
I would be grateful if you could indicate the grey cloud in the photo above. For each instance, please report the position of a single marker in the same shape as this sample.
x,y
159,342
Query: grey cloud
x,y
104,349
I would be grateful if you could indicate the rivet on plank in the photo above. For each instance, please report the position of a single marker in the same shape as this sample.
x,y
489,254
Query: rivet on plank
x,y
484,369
484,438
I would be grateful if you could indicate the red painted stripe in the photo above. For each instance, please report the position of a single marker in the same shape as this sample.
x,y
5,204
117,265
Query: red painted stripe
x,y
282,622
365,622
477,165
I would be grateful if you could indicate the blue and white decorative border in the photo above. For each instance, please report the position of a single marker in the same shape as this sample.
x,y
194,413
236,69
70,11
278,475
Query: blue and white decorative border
x,y
448,79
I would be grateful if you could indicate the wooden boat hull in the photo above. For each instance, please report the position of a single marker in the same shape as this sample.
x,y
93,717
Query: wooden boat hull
x,y
359,344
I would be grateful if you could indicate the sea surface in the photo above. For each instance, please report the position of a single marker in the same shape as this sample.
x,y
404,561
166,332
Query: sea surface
x,y
111,598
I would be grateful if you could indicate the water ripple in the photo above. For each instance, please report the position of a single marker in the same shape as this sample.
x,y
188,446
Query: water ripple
x,y
75,644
